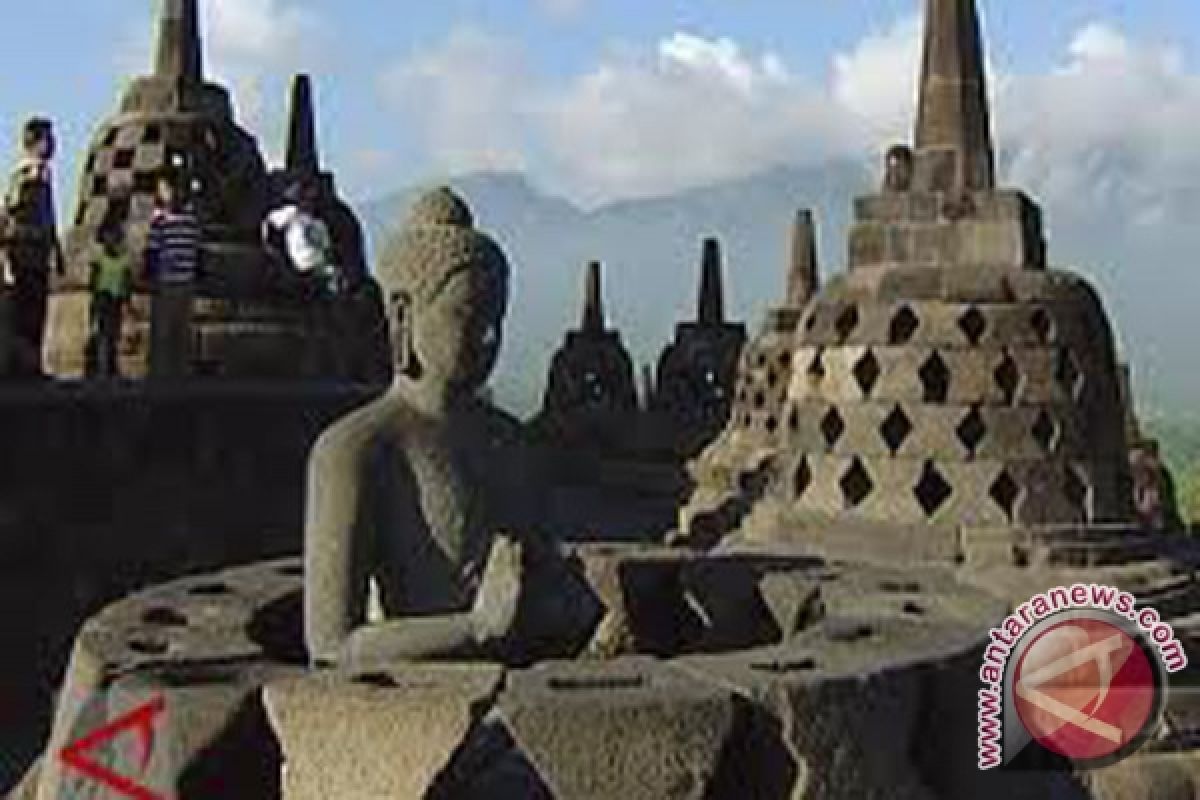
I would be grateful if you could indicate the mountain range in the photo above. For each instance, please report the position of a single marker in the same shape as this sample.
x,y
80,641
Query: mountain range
x,y
651,250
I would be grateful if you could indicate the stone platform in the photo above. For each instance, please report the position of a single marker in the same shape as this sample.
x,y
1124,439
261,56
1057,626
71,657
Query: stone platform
x,y
795,678
111,487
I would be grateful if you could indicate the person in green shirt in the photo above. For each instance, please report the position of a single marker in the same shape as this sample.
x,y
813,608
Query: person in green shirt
x,y
111,286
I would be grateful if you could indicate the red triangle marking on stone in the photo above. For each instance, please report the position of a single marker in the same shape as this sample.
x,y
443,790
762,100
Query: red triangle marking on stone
x,y
141,720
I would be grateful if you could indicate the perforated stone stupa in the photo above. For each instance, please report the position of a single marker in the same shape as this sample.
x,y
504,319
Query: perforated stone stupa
x,y
948,378
697,371
730,473
248,320
591,394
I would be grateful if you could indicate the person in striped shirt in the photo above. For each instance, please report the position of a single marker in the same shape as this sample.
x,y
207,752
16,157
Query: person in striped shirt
x,y
172,263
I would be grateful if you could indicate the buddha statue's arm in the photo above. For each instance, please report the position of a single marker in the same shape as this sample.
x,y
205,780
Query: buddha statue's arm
x,y
489,621
335,585
411,639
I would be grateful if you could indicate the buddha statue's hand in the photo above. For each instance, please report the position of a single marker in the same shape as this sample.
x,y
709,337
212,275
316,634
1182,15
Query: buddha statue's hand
x,y
495,609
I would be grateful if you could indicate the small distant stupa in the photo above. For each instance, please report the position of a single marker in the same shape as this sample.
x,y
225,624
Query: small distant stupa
x,y
591,390
697,371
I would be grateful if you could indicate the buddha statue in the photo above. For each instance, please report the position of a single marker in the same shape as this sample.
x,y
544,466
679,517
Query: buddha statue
x,y
407,495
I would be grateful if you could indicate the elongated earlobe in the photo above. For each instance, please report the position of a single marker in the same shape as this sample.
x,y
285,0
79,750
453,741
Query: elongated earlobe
x,y
404,352
399,312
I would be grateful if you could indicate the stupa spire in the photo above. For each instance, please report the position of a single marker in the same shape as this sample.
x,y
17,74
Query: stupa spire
x,y
180,53
953,136
802,264
593,302
302,153
711,309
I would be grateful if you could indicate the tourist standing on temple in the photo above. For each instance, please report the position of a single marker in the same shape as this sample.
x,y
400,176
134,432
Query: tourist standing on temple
x,y
308,247
111,286
32,245
7,330
172,263
307,243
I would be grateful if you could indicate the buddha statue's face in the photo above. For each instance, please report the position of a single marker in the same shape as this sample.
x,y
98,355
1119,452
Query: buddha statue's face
x,y
449,342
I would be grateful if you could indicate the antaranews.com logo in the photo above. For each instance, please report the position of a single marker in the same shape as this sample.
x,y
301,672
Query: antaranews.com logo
x,y
1078,671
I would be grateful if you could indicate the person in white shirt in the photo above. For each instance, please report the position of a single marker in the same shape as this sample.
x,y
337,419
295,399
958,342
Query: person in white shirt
x,y
307,243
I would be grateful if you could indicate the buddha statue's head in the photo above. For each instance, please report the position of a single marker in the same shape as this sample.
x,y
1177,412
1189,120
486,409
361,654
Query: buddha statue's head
x,y
446,288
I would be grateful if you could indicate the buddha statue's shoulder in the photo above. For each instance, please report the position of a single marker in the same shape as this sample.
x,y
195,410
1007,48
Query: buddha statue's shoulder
x,y
360,433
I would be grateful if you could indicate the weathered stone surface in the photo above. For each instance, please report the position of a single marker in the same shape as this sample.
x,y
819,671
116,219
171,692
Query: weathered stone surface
x,y
380,735
630,729
197,650
1162,776
794,600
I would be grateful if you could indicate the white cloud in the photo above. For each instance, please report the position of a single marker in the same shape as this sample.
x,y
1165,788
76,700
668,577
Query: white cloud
x,y
470,97
877,80
1112,126
699,111
692,111
263,33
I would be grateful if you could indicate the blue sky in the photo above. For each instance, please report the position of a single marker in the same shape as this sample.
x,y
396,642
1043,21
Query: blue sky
x,y
1097,104
385,69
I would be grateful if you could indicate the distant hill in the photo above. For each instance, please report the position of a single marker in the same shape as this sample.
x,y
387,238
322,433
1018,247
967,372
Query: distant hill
x,y
651,251
651,254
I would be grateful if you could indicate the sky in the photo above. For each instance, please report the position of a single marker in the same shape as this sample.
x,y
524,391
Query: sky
x,y
601,100
1096,102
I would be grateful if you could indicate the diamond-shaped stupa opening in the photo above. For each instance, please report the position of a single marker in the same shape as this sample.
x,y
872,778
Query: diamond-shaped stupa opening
x,y
896,429
856,485
1045,431
973,325
801,478
932,490
935,379
1043,325
846,323
832,427
1008,379
1005,492
903,326
972,430
867,372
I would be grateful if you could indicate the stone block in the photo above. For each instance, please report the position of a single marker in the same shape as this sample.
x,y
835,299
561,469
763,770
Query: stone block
x,y
634,729
936,244
643,598
867,244
383,735
882,207
199,648
901,243
1161,776
994,244
794,599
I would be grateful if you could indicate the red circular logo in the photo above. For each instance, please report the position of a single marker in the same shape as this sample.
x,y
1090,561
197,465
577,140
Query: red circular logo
x,y
1085,688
